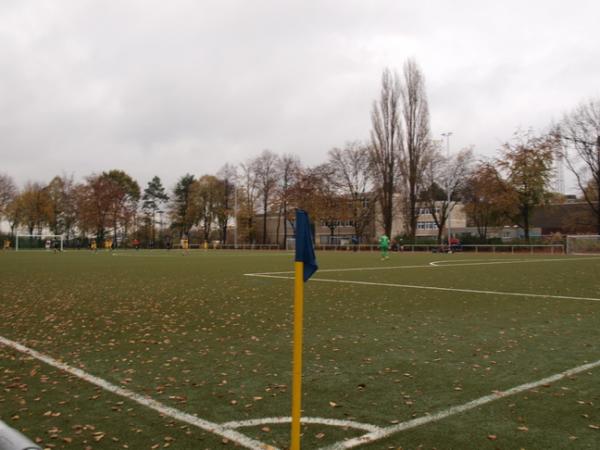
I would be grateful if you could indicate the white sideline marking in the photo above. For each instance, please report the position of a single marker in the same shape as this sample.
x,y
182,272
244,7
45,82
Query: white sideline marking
x,y
432,288
143,400
487,261
377,435
456,263
305,420
195,252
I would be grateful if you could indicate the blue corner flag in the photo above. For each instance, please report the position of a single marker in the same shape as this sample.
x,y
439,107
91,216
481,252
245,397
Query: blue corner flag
x,y
305,251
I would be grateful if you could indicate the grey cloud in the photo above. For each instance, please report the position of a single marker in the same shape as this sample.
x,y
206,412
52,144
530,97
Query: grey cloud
x,y
172,87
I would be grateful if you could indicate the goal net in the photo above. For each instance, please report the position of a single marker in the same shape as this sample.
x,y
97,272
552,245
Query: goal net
x,y
583,245
39,242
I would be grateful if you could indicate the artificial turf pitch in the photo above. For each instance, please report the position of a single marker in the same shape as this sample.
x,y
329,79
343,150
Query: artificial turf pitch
x,y
195,333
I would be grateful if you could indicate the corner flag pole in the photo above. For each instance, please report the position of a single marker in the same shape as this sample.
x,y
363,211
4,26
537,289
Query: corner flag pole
x,y
304,267
297,369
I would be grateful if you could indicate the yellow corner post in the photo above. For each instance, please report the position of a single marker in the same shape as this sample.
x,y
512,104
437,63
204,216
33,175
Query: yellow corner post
x,y
297,369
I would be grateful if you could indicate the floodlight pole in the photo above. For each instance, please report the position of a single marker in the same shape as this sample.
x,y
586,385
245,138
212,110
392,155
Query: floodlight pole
x,y
449,223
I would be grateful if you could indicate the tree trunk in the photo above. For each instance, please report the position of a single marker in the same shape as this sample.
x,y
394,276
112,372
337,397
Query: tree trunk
x,y
526,222
413,214
152,234
265,206
285,235
598,214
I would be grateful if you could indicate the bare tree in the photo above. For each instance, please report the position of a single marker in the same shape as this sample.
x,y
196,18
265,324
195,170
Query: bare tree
x,y
62,209
180,208
13,214
446,176
206,197
415,146
34,205
526,163
227,174
125,193
487,199
386,138
265,167
8,191
351,175
580,133
289,168
247,194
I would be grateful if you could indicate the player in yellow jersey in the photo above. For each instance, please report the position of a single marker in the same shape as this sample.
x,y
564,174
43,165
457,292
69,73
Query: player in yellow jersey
x,y
185,245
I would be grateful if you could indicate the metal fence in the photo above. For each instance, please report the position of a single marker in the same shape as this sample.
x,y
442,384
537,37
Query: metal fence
x,y
435,248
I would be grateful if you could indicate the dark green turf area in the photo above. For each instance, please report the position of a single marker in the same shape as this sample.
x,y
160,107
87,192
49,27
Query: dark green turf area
x,y
194,333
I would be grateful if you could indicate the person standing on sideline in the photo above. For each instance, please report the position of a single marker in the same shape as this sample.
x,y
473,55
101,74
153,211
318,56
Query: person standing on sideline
x,y
384,245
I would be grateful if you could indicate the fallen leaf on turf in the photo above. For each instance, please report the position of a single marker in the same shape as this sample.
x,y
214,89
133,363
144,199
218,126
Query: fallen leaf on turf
x,y
492,437
523,428
98,436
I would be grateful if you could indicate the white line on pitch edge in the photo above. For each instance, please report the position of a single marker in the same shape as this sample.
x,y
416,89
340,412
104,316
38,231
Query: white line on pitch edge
x,y
143,400
432,288
456,263
497,395
304,420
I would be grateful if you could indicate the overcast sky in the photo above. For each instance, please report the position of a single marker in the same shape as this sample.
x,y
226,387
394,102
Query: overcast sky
x,y
169,87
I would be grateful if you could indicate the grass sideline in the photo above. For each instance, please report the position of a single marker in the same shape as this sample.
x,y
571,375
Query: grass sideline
x,y
194,333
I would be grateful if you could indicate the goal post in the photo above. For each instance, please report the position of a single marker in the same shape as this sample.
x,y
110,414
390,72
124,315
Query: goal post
x,y
583,244
39,242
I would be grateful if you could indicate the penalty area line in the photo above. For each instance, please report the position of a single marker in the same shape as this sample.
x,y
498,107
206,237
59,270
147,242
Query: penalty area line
x,y
440,264
432,288
143,400
497,395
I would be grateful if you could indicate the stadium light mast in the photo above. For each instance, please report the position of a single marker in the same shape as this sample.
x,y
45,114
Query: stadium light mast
x,y
449,223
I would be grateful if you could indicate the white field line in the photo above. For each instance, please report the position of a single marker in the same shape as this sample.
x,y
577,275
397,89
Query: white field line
x,y
497,395
194,252
143,400
450,262
506,261
432,288
305,420
456,263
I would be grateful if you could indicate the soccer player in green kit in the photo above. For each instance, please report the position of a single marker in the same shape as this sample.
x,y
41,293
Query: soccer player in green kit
x,y
384,245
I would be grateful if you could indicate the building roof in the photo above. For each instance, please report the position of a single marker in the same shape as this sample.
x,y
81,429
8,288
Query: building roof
x,y
565,218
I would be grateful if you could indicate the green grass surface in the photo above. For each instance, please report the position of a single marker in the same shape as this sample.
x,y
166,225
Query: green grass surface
x,y
195,333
